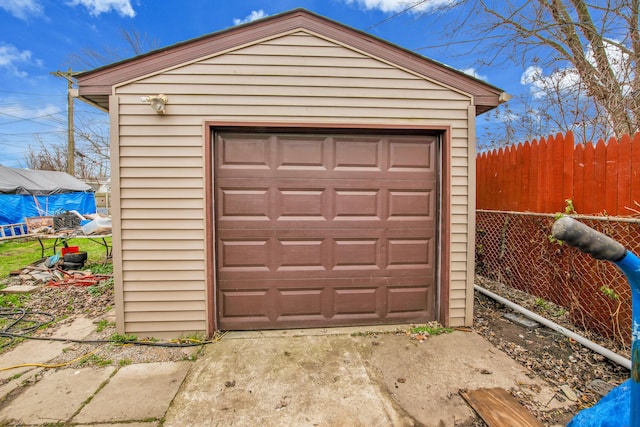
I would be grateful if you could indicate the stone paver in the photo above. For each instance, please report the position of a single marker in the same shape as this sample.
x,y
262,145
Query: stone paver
x,y
56,397
29,352
136,392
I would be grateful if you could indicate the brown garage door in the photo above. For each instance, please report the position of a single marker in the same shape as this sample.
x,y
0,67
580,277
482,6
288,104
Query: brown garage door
x,y
317,230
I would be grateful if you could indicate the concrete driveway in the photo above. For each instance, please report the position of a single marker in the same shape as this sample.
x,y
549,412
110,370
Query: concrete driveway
x,y
342,377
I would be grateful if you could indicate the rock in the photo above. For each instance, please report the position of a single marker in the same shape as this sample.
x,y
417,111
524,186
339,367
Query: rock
x,y
571,395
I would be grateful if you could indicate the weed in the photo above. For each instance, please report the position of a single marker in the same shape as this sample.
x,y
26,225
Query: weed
x,y
101,288
569,209
123,339
195,337
431,330
125,362
609,293
103,324
13,300
101,268
96,360
542,303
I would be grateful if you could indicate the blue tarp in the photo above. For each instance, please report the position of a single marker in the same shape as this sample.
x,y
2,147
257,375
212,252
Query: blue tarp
x,y
613,410
14,208
28,193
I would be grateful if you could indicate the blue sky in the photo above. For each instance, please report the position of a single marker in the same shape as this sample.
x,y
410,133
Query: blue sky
x,y
40,36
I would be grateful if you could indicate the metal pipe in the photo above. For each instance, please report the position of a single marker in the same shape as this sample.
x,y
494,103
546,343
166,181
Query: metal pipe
x,y
614,357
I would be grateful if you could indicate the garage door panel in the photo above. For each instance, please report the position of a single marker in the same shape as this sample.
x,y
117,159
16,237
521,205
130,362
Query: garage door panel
x,y
325,200
322,301
321,230
282,256
412,155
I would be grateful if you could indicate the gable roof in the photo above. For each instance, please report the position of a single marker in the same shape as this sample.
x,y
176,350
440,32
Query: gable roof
x,y
95,86
39,182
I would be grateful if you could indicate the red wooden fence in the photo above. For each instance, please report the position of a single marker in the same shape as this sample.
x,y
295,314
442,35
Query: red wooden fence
x,y
540,176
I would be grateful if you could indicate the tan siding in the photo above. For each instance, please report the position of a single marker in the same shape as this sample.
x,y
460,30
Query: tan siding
x,y
163,306
183,295
164,235
200,84
311,88
161,243
161,276
169,252
157,141
165,286
163,203
161,162
157,327
163,316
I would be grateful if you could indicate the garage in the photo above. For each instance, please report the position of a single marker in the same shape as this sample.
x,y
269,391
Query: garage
x,y
318,230
290,172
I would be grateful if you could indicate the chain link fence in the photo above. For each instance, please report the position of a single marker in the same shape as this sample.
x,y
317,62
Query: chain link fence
x,y
517,250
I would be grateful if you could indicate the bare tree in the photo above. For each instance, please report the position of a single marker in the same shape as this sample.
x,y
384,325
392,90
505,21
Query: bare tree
x,y
91,127
597,40
135,44
47,157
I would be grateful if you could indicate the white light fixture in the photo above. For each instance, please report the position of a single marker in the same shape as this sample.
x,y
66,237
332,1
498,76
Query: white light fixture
x,y
157,102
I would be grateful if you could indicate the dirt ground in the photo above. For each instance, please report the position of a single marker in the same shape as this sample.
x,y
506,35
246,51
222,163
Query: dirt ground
x,y
585,375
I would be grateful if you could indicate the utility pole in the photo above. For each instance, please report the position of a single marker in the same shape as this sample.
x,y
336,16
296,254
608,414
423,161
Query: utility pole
x,y
71,143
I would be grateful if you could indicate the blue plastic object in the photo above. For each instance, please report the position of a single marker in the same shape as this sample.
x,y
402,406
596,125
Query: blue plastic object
x,y
621,407
613,410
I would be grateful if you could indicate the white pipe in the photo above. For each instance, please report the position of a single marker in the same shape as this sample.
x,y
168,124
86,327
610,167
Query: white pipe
x,y
614,357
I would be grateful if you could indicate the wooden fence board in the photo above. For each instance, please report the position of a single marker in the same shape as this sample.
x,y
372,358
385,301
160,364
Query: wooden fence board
x,y
624,175
600,175
533,172
635,173
568,150
611,180
542,184
578,177
589,180
556,201
539,176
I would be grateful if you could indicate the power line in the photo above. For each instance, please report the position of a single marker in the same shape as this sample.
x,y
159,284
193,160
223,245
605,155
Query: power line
x,y
31,119
418,3
40,94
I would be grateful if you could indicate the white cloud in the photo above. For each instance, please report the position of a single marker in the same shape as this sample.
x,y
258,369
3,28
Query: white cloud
x,y
11,57
22,9
96,7
473,73
414,6
560,80
566,79
255,14
20,111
